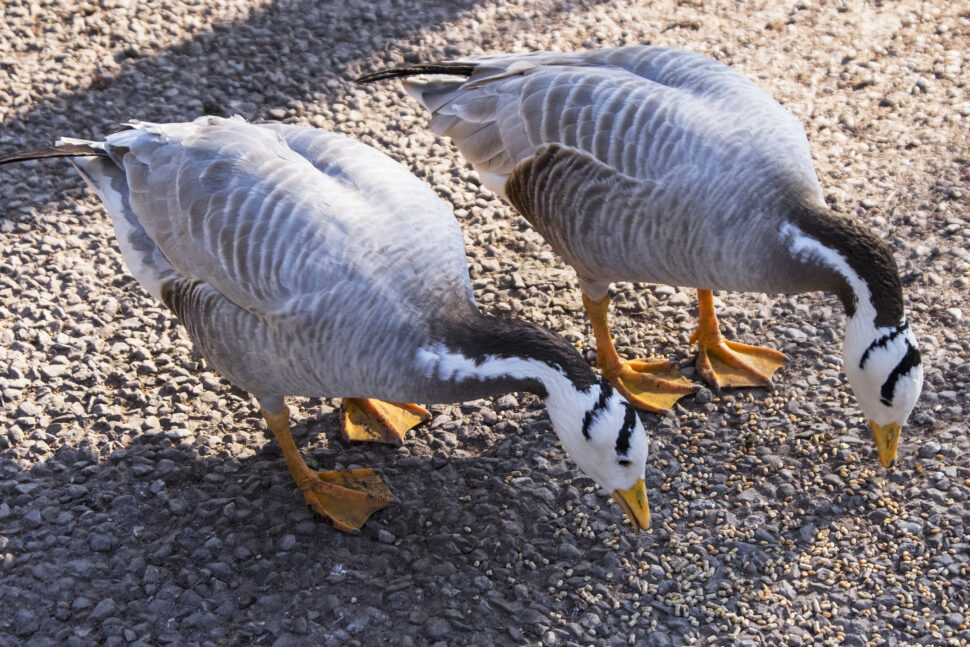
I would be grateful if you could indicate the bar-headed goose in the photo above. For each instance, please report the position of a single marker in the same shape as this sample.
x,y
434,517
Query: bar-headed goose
x,y
660,165
304,263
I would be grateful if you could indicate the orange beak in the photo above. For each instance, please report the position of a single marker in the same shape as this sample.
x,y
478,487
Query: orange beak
x,y
634,504
887,441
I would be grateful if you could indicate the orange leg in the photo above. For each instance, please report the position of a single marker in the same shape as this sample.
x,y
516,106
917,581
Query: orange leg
x,y
347,497
654,384
727,363
375,421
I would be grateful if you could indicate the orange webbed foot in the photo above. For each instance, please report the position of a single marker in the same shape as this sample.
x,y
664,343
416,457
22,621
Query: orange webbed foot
x,y
376,421
727,363
654,385
347,497
651,384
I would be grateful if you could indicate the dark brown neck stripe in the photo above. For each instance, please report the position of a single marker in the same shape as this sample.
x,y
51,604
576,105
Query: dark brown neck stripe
x,y
882,341
865,253
479,337
605,392
629,424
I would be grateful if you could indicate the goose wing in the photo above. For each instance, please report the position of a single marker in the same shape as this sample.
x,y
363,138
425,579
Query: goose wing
x,y
409,236
650,113
274,216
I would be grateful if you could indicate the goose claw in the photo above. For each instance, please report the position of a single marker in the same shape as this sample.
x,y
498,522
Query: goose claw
x,y
732,364
346,497
727,363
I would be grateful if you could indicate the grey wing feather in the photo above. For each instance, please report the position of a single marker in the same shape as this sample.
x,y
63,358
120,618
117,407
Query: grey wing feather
x,y
234,205
145,260
300,261
208,194
410,225
641,110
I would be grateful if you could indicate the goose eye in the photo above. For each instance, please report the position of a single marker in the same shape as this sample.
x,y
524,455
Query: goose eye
x,y
624,462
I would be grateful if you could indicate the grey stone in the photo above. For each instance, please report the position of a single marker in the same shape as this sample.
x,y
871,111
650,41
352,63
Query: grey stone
x,y
929,449
437,628
385,536
26,622
658,639
101,542
569,552
105,608
506,402
807,533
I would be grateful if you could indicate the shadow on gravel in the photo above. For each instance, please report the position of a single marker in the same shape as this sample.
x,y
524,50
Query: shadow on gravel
x,y
175,547
280,58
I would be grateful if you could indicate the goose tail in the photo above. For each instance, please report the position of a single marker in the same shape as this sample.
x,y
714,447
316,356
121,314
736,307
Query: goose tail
x,y
450,68
64,148
97,166
438,85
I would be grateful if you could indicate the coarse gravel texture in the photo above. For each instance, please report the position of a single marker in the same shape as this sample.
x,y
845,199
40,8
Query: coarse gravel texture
x,y
142,502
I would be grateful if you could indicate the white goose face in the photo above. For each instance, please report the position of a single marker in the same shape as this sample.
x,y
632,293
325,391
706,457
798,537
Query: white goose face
x,y
884,368
598,428
604,436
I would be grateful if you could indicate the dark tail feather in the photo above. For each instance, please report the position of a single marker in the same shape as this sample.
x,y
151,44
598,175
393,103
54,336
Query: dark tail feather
x,y
65,150
457,69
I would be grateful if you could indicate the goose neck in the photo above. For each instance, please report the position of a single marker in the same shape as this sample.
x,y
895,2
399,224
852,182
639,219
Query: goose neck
x,y
851,261
482,355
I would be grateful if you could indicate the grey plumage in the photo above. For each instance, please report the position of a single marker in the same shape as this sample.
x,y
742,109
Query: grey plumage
x,y
660,165
638,163
304,263
278,237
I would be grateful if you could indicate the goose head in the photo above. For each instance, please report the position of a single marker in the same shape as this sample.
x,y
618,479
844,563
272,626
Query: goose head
x,y
599,430
603,435
884,368
880,357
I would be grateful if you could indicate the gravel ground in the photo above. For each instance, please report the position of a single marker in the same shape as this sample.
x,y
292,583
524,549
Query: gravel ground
x,y
142,503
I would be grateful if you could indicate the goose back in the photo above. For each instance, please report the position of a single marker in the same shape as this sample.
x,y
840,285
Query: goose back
x,y
307,263
674,164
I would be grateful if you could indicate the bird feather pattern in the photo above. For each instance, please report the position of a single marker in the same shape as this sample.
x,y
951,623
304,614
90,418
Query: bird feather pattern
x,y
644,127
277,235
